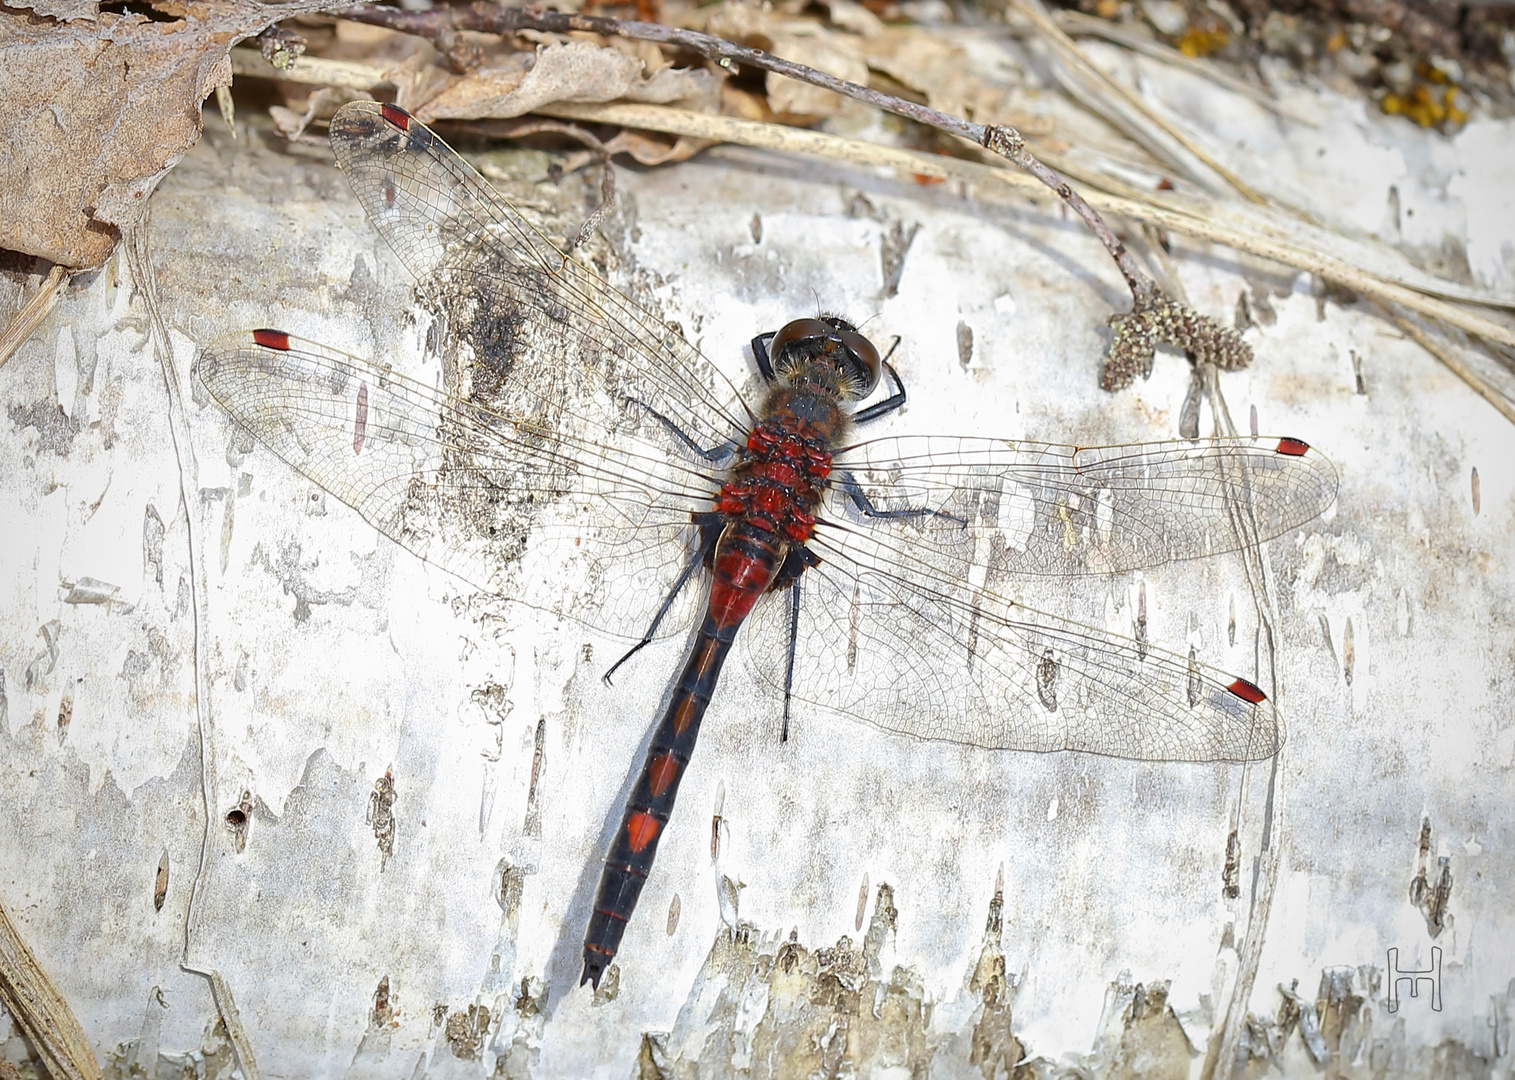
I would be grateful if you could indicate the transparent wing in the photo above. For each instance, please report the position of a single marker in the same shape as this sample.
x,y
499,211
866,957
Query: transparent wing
x,y
546,334
905,623
950,665
561,466
579,520
985,509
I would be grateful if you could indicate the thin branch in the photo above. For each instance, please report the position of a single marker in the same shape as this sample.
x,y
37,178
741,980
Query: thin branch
x,y
1449,356
1149,208
1075,60
31,314
1004,141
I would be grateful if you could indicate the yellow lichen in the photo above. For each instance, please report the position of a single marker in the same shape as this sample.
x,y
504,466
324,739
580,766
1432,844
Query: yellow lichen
x,y
1202,40
1430,102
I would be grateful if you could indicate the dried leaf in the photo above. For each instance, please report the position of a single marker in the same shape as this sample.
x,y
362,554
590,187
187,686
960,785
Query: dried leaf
x,y
850,15
812,45
925,63
648,149
323,101
99,109
575,71
62,10
748,24
943,72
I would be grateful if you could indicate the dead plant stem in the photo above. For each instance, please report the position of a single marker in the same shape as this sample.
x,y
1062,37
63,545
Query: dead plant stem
x,y
442,23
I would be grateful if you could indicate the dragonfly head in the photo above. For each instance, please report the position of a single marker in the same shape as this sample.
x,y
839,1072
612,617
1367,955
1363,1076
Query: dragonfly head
x,y
833,342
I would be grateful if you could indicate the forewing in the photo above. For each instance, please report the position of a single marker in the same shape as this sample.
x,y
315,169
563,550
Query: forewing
x,y
543,331
572,519
990,509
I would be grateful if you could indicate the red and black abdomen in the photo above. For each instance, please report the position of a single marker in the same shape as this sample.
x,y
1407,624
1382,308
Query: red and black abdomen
x,y
768,507
744,565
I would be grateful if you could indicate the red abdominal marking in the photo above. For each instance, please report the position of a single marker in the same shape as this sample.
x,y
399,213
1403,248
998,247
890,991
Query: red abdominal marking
x,y
739,581
1293,447
360,422
662,772
641,830
272,339
396,116
1247,691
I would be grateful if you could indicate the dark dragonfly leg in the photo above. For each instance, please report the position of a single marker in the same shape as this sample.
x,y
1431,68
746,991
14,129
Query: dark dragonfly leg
x,y
718,454
798,560
854,491
709,526
890,404
636,843
760,353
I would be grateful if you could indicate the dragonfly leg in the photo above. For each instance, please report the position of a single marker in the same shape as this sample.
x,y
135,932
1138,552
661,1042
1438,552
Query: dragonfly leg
x,y
709,526
717,454
760,354
789,577
794,634
848,483
890,404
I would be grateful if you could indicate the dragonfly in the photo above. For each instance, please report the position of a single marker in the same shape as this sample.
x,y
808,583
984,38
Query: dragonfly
x,y
580,458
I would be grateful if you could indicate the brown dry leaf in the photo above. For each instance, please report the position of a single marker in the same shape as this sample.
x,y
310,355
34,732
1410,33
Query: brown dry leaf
x,y
61,10
323,101
574,71
746,105
735,20
100,108
815,46
850,15
647,52
925,63
649,149
943,72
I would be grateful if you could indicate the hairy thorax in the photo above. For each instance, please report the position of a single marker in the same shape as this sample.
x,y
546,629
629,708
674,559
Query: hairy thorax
x,y
769,502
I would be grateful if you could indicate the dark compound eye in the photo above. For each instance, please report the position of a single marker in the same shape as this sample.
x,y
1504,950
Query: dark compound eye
x,y
797,331
863,361
862,351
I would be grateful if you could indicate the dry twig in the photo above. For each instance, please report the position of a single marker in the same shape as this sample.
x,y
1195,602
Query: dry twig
x,y
1145,207
31,314
1153,316
29,994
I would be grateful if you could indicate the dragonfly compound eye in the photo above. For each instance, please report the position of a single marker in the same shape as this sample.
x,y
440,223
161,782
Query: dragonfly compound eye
x,y
865,362
793,333
852,354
